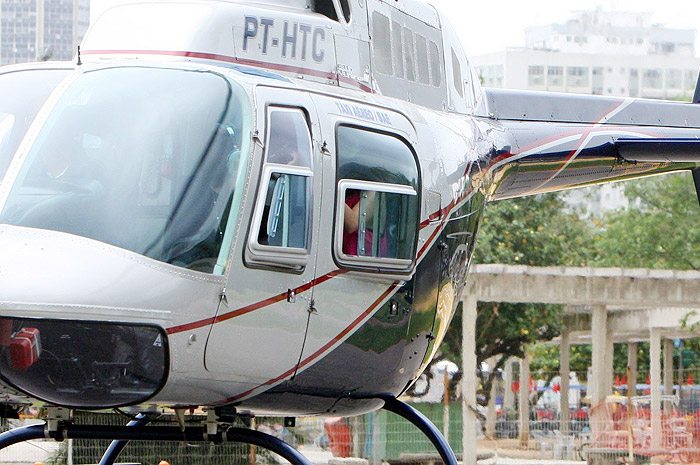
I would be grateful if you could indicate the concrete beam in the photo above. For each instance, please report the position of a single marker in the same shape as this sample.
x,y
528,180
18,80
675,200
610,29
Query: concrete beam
x,y
632,325
585,286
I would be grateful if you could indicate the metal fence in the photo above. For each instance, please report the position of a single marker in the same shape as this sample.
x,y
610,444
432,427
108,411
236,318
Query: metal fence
x,y
599,434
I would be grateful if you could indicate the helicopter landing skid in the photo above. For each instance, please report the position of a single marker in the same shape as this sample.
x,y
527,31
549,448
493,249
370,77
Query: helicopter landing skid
x,y
116,447
122,434
392,404
137,431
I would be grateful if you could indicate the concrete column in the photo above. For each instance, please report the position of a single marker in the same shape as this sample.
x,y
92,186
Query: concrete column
x,y
491,409
76,10
668,367
668,371
39,50
599,332
524,399
469,380
609,376
564,371
378,447
655,374
508,394
632,350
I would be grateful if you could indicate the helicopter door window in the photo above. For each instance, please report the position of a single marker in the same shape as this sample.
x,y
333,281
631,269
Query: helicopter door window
x,y
281,232
377,202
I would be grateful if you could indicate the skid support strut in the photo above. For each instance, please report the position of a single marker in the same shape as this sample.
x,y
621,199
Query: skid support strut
x,y
116,447
392,404
154,433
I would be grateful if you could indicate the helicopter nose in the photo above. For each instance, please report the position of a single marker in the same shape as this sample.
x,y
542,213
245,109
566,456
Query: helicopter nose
x,y
83,323
45,273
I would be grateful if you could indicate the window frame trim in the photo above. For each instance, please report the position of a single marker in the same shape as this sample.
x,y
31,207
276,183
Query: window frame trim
x,y
381,264
257,254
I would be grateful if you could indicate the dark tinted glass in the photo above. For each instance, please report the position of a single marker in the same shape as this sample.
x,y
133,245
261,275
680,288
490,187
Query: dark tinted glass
x,y
83,364
371,156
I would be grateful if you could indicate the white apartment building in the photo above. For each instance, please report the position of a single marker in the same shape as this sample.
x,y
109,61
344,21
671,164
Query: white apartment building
x,y
598,52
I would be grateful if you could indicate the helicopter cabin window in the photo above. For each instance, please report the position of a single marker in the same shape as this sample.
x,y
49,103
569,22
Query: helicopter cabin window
x,y
377,204
397,49
170,191
282,219
326,8
457,74
422,59
409,53
382,43
435,65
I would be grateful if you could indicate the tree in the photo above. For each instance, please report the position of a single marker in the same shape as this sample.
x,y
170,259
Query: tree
x,y
659,230
538,231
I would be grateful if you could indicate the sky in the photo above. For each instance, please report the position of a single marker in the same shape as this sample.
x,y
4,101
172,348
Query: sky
x,y
492,25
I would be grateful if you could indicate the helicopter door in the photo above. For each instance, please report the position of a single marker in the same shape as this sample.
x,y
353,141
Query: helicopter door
x,y
372,171
265,313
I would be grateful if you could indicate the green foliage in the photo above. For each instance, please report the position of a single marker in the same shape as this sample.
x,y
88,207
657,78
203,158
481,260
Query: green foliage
x,y
545,360
658,231
537,231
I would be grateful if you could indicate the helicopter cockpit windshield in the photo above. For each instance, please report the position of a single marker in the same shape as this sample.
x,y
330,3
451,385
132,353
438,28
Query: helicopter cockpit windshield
x,y
22,93
146,159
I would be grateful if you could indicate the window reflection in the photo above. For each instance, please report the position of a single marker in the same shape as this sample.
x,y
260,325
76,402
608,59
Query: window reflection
x,y
156,177
378,204
21,96
379,224
286,214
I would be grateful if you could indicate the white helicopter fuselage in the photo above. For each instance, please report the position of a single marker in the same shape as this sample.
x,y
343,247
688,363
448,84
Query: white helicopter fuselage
x,y
205,253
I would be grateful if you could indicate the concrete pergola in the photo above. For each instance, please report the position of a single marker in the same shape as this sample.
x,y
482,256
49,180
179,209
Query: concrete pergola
x,y
604,306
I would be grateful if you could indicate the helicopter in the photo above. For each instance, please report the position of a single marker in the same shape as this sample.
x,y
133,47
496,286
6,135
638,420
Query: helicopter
x,y
268,208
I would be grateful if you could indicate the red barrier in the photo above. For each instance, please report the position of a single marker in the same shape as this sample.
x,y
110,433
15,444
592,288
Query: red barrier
x,y
677,441
338,436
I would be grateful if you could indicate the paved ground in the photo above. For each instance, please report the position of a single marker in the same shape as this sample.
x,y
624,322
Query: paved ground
x,y
29,452
511,461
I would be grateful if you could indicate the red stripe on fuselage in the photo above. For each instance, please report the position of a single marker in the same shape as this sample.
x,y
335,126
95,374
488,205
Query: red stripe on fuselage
x,y
252,307
316,354
331,76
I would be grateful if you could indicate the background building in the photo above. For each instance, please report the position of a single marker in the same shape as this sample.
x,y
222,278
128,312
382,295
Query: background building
x,y
41,29
602,53
599,52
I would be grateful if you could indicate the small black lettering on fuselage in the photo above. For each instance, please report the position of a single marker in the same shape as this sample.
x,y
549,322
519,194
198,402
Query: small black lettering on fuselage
x,y
296,40
367,114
